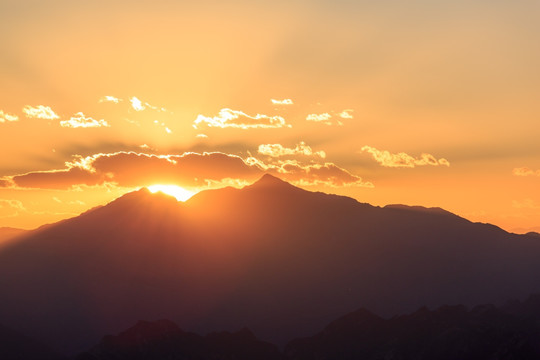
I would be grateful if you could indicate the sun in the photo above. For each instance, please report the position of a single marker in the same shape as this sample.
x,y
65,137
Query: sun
x,y
178,192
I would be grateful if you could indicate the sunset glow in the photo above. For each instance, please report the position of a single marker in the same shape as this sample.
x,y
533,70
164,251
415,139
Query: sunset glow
x,y
178,192
410,102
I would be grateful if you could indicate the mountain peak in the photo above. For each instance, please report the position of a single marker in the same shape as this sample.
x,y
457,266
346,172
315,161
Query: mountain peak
x,y
268,180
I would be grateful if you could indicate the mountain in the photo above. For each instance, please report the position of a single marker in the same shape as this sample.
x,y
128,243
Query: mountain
x,y
447,333
277,259
163,340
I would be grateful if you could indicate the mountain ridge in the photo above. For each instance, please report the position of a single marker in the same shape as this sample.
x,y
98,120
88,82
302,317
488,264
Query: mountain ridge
x,y
277,259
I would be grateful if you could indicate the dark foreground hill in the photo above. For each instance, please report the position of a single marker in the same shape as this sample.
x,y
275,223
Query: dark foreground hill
x,y
450,332
164,340
277,259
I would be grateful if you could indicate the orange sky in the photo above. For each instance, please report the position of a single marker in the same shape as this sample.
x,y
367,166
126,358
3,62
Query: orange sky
x,y
417,102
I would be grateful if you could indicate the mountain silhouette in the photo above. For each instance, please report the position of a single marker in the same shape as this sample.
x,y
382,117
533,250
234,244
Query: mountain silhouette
x,y
163,339
447,333
272,257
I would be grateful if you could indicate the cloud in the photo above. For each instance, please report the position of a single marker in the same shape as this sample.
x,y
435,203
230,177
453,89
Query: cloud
x,y
80,121
197,170
10,208
40,112
132,169
7,117
282,102
202,136
278,150
5,183
137,104
240,120
387,159
525,171
324,118
108,98
327,174
346,114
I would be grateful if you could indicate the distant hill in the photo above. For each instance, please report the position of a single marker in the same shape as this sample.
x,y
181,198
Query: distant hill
x,y
485,332
163,340
447,333
277,259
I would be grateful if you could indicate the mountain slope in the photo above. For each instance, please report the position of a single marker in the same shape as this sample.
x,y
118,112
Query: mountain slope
x,y
162,340
275,258
7,235
450,332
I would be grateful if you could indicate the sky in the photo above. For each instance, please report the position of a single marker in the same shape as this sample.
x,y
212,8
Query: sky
x,y
432,103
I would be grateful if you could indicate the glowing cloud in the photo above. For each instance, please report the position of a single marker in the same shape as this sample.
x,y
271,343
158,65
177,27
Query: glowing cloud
x,y
10,208
346,114
7,117
193,170
387,159
238,119
282,102
525,171
327,174
5,183
40,112
109,98
278,150
137,104
324,118
132,169
80,121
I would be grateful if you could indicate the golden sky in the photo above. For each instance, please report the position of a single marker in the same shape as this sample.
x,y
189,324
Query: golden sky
x,y
432,103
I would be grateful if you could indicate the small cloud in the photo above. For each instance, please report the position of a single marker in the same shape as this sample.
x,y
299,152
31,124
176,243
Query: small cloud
x,y
346,114
7,117
57,200
109,98
137,104
278,150
387,159
240,120
324,118
202,136
168,130
282,102
525,171
11,208
79,120
40,112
